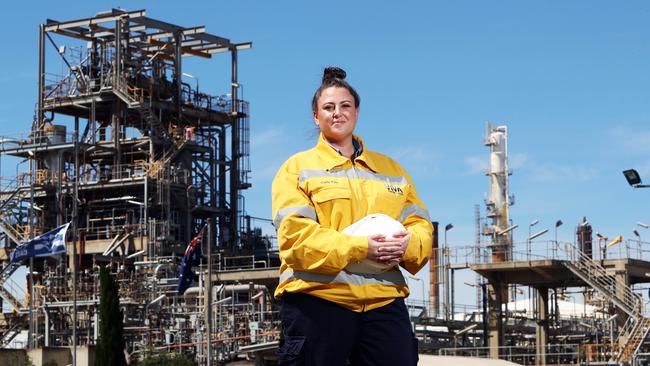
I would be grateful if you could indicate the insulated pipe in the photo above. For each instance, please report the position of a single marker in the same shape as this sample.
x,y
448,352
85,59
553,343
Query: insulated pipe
x,y
158,268
434,269
243,288
192,291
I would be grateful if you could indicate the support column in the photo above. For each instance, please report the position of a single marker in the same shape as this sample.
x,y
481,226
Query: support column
x,y
622,276
235,151
115,130
178,72
541,327
495,317
224,231
434,270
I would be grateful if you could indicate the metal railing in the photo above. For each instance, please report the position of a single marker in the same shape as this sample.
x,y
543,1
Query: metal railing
x,y
615,289
12,292
526,354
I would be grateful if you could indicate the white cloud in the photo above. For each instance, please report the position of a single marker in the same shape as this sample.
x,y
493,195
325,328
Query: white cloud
x,y
271,136
267,170
477,164
643,169
518,160
418,160
481,163
560,173
630,141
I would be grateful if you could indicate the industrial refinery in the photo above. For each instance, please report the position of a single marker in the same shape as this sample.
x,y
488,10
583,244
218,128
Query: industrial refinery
x,y
126,149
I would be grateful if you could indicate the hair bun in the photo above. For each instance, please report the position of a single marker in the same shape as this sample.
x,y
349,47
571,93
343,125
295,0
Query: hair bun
x,y
333,72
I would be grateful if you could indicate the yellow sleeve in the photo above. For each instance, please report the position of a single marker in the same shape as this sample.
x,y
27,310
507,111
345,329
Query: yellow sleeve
x,y
415,218
303,243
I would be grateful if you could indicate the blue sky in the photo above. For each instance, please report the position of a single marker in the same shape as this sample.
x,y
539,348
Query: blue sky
x,y
569,79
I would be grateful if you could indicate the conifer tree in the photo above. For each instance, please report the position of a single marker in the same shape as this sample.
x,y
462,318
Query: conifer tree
x,y
110,345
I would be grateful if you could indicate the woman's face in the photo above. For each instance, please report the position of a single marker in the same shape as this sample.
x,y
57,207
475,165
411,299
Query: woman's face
x,y
336,115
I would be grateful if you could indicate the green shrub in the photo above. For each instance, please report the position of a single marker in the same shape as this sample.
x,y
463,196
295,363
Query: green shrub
x,y
110,344
167,359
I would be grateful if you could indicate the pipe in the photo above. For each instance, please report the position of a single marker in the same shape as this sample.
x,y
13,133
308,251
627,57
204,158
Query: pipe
x,y
244,288
158,267
194,291
157,300
434,269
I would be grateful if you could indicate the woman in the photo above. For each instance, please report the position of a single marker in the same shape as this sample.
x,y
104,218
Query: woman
x,y
331,316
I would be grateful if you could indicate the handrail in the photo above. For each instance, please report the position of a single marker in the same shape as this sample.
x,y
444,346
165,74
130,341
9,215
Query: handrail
x,y
637,350
610,284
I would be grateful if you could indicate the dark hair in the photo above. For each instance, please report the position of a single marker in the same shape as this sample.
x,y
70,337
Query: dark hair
x,y
334,76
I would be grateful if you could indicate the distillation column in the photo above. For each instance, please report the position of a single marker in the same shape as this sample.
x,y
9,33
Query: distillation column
x,y
500,230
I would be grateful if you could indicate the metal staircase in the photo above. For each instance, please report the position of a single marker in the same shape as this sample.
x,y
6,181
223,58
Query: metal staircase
x,y
10,326
9,290
150,119
13,210
131,95
638,336
635,330
158,165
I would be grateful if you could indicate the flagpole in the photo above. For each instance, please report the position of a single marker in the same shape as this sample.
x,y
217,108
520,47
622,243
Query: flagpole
x,y
209,297
75,213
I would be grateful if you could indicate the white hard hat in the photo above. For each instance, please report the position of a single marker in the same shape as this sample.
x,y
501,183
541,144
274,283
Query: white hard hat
x,y
372,224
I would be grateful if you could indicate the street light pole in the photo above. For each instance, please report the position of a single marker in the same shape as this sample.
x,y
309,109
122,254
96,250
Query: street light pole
x,y
558,223
424,304
530,226
644,226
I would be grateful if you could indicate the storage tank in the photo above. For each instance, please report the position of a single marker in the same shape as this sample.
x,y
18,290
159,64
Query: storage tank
x,y
53,135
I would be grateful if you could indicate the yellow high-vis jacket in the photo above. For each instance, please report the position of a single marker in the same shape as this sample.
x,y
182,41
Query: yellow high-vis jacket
x,y
316,194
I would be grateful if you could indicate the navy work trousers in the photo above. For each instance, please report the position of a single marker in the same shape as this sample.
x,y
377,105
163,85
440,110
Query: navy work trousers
x,y
318,332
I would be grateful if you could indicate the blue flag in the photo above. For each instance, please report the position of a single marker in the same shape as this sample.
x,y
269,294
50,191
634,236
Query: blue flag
x,y
192,257
45,245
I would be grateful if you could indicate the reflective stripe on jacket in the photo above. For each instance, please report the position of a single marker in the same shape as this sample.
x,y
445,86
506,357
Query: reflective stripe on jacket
x,y
316,194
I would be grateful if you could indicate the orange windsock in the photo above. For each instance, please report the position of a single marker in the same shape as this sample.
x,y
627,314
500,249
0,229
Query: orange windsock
x,y
616,240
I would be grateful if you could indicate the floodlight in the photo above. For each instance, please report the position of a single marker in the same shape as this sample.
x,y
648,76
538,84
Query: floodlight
x,y
538,234
634,179
508,229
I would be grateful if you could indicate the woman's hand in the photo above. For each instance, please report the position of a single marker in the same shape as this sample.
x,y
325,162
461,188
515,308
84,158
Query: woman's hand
x,y
388,250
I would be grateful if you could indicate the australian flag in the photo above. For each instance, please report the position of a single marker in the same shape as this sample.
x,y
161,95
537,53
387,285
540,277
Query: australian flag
x,y
50,243
192,257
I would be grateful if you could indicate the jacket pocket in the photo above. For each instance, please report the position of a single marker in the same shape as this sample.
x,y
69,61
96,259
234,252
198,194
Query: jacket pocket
x,y
324,195
332,205
390,201
290,352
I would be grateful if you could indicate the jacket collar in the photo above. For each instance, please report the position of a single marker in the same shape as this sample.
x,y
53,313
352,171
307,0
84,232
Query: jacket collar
x,y
332,158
